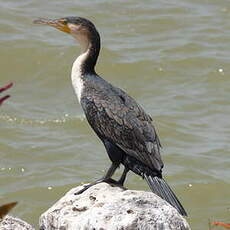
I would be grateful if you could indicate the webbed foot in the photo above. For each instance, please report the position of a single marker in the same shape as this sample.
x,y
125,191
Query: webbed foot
x,y
106,180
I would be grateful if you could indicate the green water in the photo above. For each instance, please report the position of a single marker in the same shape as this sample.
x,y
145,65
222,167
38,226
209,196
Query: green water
x,y
171,56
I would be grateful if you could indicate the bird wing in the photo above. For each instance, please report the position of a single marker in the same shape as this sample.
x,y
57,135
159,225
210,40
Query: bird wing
x,y
117,117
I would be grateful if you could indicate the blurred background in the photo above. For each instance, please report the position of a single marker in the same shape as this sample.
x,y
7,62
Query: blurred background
x,y
171,56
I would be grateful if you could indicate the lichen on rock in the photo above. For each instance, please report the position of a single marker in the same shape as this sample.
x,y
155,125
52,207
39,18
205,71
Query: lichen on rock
x,y
107,207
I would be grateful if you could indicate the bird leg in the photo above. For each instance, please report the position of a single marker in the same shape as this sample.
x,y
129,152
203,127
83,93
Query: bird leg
x,y
107,178
123,177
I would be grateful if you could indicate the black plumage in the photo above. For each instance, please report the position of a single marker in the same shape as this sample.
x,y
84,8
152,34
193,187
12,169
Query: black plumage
x,y
127,133
118,119
123,126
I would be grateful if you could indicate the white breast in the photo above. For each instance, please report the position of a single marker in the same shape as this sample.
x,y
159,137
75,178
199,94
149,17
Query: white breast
x,y
76,76
78,86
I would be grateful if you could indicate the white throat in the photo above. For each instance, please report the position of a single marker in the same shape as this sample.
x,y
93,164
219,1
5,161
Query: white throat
x,y
76,75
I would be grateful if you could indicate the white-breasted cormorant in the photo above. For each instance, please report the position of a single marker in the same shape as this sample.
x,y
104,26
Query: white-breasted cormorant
x,y
122,125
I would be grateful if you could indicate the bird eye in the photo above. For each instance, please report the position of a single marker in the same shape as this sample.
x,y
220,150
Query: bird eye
x,y
64,21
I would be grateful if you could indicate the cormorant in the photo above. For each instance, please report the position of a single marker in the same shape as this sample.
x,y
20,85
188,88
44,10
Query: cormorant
x,y
122,125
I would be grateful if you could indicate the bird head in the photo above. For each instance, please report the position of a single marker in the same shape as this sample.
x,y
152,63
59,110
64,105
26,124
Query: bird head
x,y
80,28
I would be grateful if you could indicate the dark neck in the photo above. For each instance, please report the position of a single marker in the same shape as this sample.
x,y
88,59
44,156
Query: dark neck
x,y
88,66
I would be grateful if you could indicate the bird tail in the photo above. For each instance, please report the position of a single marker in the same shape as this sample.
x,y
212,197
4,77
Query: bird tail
x,y
162,189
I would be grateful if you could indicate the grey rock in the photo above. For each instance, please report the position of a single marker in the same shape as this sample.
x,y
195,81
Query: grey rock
x,y
107,207
13,223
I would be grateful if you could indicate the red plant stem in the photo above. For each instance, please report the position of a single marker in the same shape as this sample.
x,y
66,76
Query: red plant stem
x,y
227,226
6,87
3,89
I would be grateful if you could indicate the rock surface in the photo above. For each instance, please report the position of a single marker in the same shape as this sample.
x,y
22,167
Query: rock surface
x,y
107,207
13,223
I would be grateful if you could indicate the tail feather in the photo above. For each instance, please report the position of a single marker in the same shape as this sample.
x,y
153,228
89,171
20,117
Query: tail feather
x,y
162,189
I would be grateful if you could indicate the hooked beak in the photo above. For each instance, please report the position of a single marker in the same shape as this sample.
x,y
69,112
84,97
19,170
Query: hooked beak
x,y
59,24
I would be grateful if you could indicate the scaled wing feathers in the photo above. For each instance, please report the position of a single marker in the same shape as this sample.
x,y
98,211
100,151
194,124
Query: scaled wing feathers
x,y
117,117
